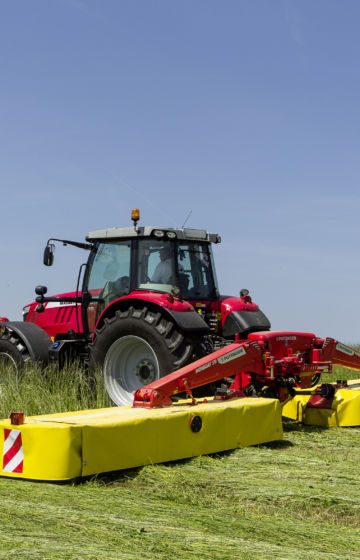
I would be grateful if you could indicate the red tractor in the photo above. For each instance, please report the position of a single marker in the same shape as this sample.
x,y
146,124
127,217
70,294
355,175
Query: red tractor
x,y
149,304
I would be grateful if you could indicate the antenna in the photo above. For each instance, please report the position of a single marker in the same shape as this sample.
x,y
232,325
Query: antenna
x,y
187,217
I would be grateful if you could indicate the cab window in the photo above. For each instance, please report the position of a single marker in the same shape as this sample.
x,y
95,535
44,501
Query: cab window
x,y
156,265
195,271
108,277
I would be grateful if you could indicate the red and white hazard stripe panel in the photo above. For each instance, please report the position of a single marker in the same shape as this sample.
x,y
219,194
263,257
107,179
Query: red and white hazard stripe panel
x,y
13,457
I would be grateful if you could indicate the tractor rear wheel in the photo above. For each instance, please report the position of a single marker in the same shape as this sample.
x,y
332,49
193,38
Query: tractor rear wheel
x,y
22,343
136,347
13,353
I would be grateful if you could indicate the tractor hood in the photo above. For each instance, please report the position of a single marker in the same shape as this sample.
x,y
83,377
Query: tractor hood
x,y
57,316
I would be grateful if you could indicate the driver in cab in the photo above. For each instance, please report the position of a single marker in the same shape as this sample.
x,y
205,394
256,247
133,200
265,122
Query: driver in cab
x,y
163,270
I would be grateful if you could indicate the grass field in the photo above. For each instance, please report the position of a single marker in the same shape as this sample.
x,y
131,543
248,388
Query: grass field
x,y
299,498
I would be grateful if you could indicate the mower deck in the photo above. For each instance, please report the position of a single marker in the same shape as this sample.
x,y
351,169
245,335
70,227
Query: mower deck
x,y
341,410
65,446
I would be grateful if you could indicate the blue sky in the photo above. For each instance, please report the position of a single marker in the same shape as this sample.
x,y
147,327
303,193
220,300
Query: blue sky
x,y
244,113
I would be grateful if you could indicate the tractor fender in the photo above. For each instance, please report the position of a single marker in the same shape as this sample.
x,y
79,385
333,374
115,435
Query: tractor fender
x,y
244,322
32,336
186,321
189,321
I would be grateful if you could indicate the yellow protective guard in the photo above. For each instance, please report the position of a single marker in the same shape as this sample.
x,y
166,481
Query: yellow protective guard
x,y
69,445
344,411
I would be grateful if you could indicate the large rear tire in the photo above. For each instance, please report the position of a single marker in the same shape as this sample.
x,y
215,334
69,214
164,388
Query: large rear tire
x,y
136,347
13,353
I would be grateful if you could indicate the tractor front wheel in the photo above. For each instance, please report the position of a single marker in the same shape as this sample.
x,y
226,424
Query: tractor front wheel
x,y
136,347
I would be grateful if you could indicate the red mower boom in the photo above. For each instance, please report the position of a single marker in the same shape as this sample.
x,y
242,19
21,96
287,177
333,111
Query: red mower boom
x,y
271,364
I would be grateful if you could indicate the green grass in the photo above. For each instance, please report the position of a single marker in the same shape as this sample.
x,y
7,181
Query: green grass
x,y
299,498
43,392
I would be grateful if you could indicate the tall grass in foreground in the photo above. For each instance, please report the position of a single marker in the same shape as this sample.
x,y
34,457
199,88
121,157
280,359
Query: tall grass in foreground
x,y
40,391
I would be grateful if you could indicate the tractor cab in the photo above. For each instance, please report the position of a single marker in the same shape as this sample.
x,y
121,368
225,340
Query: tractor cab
x,y
116,267
170,261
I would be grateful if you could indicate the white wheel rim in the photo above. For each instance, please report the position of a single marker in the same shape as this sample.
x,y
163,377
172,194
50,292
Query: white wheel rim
x,y
130,363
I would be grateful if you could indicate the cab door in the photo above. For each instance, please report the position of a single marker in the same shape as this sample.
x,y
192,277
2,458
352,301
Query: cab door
x,y
107,278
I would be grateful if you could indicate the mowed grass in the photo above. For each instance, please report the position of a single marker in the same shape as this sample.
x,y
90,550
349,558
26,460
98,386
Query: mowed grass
x,y
298,498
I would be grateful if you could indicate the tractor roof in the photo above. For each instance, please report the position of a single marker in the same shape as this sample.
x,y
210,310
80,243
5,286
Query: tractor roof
x,y
154,232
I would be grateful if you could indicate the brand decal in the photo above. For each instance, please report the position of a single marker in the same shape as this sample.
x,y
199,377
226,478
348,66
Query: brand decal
x,y
285,338
205,366
52,304
223,359
232,355
346,350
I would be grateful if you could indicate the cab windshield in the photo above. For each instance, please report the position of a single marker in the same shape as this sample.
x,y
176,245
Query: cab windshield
x,y
109,270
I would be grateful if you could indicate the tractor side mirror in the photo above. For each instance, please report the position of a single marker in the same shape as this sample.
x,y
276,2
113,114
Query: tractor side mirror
x,y
49,254
40,290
